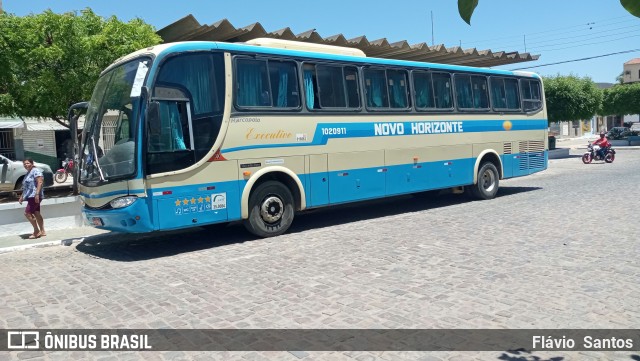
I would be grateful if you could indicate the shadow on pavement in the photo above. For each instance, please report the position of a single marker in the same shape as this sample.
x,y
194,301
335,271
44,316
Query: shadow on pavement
x,y
138,247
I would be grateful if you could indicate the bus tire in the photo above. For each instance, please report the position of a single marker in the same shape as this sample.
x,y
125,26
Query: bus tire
x,y
488,182
271,210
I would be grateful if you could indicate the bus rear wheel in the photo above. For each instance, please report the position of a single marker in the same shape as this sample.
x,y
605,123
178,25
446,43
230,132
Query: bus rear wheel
x,y
488,182
271,210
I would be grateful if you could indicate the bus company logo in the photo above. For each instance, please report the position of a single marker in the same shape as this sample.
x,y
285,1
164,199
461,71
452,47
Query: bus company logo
x,y
23,340
219,201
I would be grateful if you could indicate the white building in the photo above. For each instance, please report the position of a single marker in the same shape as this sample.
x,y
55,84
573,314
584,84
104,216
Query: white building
x,y
631,71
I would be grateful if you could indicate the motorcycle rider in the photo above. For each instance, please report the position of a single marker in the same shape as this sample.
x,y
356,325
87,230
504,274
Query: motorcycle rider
x,y
602,143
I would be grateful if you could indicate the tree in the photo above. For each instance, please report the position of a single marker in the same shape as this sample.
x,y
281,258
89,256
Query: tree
x,y
571,98
621,99
466,8
49,61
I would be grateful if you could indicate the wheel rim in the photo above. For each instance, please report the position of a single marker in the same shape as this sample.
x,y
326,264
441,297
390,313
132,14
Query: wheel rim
x,y
272,209
488,181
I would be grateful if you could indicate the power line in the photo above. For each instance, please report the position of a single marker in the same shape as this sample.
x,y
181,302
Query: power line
x,y
536,40
591,34
581,59
549,43
540,49
532,35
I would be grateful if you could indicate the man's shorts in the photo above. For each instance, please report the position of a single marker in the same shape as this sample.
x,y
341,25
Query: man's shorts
x,y
32,206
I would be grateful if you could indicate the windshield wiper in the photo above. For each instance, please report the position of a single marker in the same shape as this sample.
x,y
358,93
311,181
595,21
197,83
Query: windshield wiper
x,y
95,157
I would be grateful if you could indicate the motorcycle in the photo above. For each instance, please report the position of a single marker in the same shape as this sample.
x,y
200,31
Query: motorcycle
x,y
596,153
63,173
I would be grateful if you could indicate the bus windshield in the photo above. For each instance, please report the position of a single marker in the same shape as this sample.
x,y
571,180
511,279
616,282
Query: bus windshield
x,y
109,142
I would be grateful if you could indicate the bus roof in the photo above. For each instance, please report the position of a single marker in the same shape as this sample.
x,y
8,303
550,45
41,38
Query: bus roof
x,y
302,52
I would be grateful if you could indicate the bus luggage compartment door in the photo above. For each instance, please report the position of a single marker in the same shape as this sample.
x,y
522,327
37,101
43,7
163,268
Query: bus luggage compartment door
x,y
356,175
318,190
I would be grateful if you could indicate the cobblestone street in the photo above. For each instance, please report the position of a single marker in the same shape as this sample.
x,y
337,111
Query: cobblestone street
x,y
538,256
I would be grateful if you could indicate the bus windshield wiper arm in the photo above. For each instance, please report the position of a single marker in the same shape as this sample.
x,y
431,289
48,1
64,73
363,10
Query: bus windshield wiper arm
x,y
95,155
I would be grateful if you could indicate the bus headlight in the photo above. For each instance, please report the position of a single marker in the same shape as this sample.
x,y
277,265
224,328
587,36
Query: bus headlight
x,y
123,202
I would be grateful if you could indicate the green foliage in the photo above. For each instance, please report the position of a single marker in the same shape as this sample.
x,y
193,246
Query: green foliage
x,y
466,8
571,98
49,61
621,99
632,6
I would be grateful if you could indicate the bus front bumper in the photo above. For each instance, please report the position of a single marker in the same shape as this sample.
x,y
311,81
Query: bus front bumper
x,y
132,219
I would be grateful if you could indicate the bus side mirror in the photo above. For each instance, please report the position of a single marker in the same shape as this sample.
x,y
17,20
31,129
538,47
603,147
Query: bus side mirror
x,y
153,117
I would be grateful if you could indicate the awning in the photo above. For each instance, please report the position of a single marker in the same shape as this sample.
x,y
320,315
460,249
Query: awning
x,y
189,29
9,123
45,125
35,124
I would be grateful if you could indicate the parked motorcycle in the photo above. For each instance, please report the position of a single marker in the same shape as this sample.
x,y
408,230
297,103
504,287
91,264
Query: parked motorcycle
x,y
62,173
595,153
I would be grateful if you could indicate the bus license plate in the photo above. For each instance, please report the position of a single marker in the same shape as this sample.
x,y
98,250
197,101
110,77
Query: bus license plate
x,y
97,221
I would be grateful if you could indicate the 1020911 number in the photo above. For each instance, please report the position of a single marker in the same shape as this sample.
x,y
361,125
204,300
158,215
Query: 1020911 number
x,y
334,131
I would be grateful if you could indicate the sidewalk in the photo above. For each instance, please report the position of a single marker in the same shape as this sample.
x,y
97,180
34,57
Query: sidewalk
x,y
53,237
582,142
62,223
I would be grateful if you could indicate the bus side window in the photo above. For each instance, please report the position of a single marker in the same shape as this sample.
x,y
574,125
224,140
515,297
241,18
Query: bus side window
x,y
464,92
331,86
442,90
376,89
189,97
531,98
310,86
423,90
252,83
167,132
398,89
284,84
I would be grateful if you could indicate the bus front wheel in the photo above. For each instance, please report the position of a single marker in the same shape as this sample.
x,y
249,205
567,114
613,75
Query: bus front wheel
x,y
271,210
488,182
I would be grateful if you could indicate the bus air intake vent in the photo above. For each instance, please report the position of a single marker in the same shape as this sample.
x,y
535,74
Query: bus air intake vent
x,y
531,155
507,148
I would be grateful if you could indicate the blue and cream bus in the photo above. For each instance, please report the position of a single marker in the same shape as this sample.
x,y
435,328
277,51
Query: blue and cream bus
x,y
196,133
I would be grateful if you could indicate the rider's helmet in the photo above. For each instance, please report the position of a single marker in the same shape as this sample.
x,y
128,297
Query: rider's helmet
x,y
602,134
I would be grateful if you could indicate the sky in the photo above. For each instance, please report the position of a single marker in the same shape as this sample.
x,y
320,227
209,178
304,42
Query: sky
x,y
557,30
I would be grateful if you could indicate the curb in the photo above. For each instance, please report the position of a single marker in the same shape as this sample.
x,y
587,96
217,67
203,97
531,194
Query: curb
x,y
558,153
61,242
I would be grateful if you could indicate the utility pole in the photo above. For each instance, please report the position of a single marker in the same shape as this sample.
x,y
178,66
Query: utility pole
x,y
433,42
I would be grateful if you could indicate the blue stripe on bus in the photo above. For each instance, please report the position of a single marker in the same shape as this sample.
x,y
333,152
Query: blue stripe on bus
x,y
183,207
364,130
